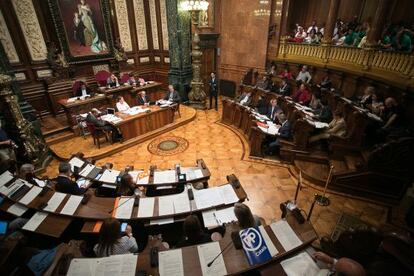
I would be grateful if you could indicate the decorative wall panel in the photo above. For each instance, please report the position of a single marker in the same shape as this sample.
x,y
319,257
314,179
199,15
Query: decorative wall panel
x,y
7,42
154,25
144,59
164,25
123,24
140,24
157,59
29,24
20,76
100,67
44,73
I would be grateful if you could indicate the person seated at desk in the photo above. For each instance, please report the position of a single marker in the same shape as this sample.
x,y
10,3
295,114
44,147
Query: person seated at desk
x,y
366,99
264,84
27,172
324,113
304,76
112,81
193,232
245,216
337,127
261,105
245,99
393,118
325,84
283,132
286,75
272,71
172,95
284,89
83,90
111,242
143,98
127,186
315,102
377,104
92,118
273,110
122,105
64,183
7,154
131,80
302,95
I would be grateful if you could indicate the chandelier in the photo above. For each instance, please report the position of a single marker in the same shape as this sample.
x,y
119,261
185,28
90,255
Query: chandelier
x,y
263,9
194,5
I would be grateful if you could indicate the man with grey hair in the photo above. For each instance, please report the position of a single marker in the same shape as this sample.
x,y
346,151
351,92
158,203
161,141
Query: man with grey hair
x,y
27,173
93,118
283,132
64,183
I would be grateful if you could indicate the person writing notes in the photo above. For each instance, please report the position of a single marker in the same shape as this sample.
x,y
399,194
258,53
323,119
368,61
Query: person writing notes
x,y
64,183
112,81
122,105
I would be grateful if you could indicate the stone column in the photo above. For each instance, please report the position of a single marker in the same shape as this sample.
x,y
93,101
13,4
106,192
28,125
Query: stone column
x,y
179,34
378,23
330,22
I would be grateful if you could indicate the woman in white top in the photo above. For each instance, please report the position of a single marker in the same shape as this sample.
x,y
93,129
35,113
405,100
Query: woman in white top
x,y
122,105
110,240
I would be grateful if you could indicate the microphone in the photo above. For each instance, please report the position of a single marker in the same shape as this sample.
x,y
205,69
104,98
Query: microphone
x,y
221,252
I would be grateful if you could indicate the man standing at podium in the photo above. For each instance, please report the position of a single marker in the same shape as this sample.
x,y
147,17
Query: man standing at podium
x,y
213,82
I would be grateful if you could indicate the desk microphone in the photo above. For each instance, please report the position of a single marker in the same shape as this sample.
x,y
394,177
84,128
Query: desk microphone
x,y
221,252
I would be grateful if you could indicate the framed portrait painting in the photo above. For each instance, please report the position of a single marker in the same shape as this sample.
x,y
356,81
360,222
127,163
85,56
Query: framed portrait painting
x,y
83,29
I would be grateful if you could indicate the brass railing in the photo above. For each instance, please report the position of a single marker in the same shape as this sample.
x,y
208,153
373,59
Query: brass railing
x,y
364,59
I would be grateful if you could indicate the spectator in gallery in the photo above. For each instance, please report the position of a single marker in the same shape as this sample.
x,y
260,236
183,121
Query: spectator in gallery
x,y
350,38
83,90
304,76
245,98
300,35
337,127
193,232
312,38
302,95
313,27
286,74
112,81
122,105
112,242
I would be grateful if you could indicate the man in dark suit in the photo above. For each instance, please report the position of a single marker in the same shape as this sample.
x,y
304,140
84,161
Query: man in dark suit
x,y
64,183
92,118
213,83
284,132
172,95
273,110
284,89
83,90
142,98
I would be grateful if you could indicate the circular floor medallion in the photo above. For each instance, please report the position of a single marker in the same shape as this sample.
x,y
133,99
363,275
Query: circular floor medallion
x,y
169,145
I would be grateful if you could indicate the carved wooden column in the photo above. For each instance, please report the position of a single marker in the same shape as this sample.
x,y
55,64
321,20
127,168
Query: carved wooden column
x,y
330,22
378,23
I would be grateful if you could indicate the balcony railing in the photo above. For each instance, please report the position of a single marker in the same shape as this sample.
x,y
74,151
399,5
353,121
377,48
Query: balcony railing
x,y
360,59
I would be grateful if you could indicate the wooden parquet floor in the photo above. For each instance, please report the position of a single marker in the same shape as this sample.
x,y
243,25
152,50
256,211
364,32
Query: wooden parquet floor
x,y
267,184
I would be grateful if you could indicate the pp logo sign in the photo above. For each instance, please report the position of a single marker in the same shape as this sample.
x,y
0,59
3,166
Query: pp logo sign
x,y
251,239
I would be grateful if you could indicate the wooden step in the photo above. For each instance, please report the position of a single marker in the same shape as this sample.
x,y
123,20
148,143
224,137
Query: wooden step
x,y
339,166
353,161
59,137
317,173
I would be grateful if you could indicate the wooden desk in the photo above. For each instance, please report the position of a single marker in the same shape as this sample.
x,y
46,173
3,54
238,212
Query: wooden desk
x,y
235,260
122,90
134,125
129,92
153,91
73,109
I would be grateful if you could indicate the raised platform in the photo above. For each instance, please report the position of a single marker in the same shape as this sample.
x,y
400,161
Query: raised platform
x,y
64,149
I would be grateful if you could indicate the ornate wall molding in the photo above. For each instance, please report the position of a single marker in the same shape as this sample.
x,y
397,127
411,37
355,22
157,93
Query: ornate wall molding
x,y
154,25
7,41
30,26
123,24
140,24
100,67
164,24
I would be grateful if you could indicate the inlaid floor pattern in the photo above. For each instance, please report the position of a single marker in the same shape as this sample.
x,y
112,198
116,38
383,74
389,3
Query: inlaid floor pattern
x,y
267,185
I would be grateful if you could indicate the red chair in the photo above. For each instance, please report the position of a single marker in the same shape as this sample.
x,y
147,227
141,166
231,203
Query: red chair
x,y
97,134
124,78
101,77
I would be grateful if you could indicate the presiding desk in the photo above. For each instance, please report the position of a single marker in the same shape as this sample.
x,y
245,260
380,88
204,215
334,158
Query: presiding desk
x,y
235,260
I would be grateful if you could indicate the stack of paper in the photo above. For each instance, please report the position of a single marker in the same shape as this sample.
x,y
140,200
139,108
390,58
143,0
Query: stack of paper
x,y
146,207
124,208
87,170
168,176
206,253
109,176
181,203
214,218
17,209
286,236
165,205
206,198
192,173
5,178
71,205
76,162
110,118
124,265
35,221
171,263
301,264
228,194
54,202
30,195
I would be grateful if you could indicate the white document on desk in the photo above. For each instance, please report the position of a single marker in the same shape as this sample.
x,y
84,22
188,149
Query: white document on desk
x,y
181,203
76,162
206,198
109,176
228,194
198,173
5,178
30,195
123,265
124,208
54,202
171,263
135,175
71,205
225,215
35,221
146,207
301,264
206,253
285,234
143,181
17,209
165,177
209,219
87,170
165,205
270,246
82,267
